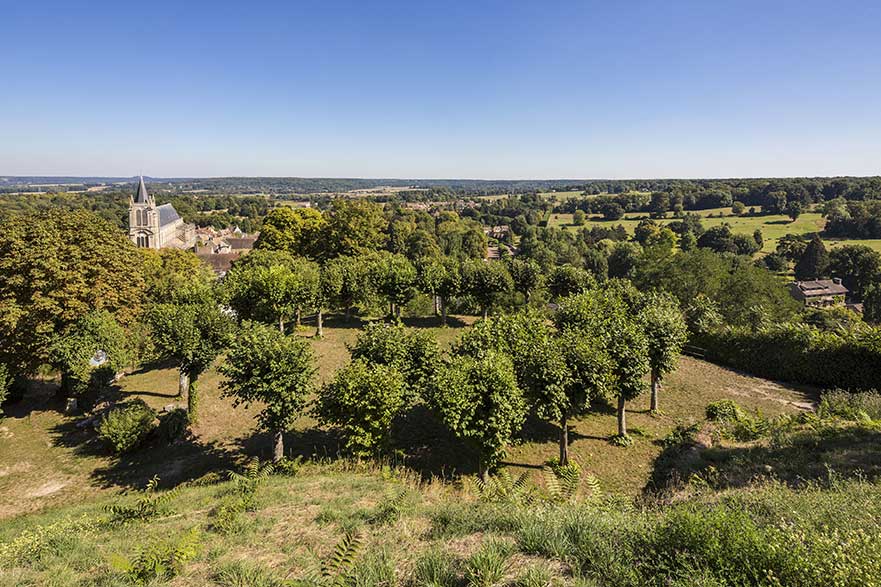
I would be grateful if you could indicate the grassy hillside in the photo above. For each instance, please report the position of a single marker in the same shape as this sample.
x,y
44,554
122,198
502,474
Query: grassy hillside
x,y
777,495
47,460
404,532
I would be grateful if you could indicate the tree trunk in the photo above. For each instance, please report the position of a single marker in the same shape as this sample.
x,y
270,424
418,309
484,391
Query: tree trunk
x,y
192,401
298,317
183,382
398,310
485,312
436,305
443,312
66,385
278,447
564,440
281,324
348,313
319,331
656,386
622,417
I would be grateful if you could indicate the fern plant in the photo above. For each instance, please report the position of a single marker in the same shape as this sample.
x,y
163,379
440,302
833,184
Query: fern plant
x,y
150,505
245,484
159,561
391,508
502,487
337,570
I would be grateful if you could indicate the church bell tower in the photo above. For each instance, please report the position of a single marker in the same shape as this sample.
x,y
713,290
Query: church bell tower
x,y
143,221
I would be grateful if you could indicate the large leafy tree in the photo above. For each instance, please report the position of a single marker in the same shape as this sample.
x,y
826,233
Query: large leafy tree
x,y
276,371
363,400
394,278
872,303
56,267
76,351
481,403
858,266
666,333
628,358
449,286
272,286
814,262
414,353
298,231
354,227
485,281
173,275
346,282
430,275
191,335
566,280
526,276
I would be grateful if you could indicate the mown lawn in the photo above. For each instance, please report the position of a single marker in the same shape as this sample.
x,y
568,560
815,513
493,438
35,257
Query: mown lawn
x,y
773,226
46,460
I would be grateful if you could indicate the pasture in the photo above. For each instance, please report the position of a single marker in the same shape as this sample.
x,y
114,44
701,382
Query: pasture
x,y
773,226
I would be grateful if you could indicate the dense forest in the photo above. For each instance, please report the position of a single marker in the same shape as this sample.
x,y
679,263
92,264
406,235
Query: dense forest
x,y
857,188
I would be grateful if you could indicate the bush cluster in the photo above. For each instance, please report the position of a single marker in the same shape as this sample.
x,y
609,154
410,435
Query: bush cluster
x,y
125,426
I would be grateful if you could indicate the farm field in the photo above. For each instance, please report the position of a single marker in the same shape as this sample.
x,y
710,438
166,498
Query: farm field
x,y
48,461
773,226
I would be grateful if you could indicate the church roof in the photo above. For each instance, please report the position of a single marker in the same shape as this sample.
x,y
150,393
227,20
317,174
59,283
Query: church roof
x,y
167,214
141,195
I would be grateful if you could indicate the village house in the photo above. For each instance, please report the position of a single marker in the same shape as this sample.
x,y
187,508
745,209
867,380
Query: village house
x,y
819,293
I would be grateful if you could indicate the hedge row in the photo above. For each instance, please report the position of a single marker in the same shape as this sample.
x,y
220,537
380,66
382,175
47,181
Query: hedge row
x,y
847,359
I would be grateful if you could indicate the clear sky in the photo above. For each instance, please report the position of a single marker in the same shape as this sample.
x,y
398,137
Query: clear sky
x,y
468,89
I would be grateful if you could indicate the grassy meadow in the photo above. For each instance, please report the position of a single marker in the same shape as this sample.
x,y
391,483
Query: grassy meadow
x,y
773,226
48,461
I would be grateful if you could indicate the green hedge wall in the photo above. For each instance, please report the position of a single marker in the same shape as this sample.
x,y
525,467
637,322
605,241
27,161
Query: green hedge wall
x,y
801,354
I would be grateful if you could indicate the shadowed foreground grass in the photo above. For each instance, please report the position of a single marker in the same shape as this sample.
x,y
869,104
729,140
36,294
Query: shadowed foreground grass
x,y
411,533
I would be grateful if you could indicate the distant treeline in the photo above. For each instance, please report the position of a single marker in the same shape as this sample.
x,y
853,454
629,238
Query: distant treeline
x,y
852,188
774,196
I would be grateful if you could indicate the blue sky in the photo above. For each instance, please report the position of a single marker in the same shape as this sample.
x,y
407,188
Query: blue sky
x,y
441,89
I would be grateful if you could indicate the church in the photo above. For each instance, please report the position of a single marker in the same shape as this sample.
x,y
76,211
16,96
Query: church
x,y
157,227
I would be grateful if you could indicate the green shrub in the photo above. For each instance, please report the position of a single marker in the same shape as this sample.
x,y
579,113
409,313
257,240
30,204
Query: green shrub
x,y
33,546
173,425
851,406
390,509
736,423
724,410
125,426
682,434
148,506
160,560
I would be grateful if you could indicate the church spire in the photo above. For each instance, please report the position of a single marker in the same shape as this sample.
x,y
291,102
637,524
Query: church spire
x,y
141,196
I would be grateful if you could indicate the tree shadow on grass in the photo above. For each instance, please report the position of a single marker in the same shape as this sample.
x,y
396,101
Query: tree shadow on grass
x,y
419,442
539,431
174,463
432,322
806,456
41,395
